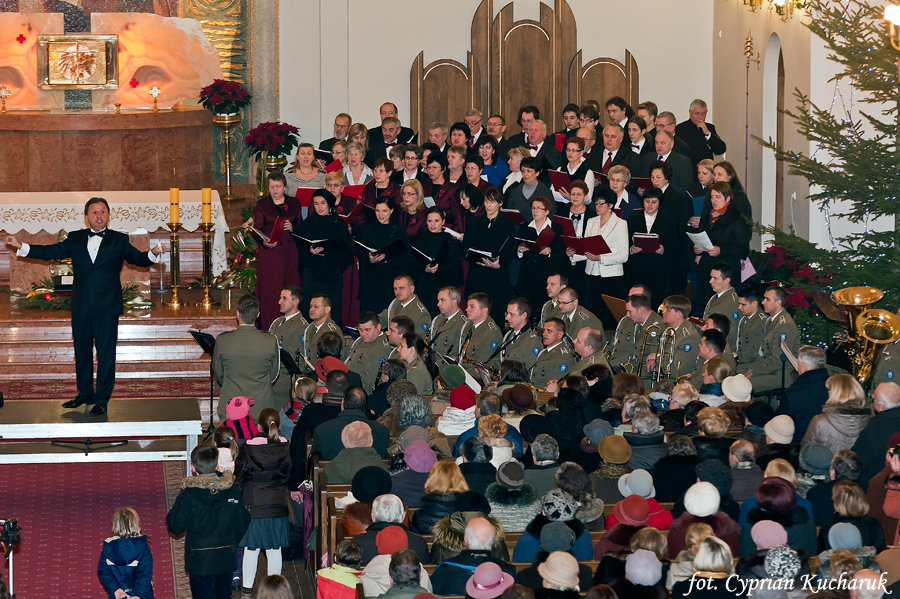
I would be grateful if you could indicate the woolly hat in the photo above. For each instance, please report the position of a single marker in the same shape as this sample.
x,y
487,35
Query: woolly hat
x,y
238,407
533,425
614,449
370,482
767,534
758,413
780,429
419,456
412,433
325,365
702,500
462,397
557,536
643,568
559,506
520,397
511,475
717,473
357,434
597,430
633,511
488,581
639,482
472,501
737,388
453,375
560,570
390,540
782,562
844,535
815,458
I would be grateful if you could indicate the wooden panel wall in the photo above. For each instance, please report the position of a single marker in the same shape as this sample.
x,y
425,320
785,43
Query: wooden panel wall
x,y
445,90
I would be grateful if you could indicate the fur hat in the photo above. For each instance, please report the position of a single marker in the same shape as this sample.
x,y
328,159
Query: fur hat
x,y
369,483
520,397
412,433
533,425
238,407
511,475
737,388
462,397
638,482
560,570
643,568
325,365
717,473
758,413
390,540
844,535
597,430
633,511
453,375
780,429
559,506
557,536
357,434
702,500
472,501
767,534
614,449
782,562
488,581
419,456
815,458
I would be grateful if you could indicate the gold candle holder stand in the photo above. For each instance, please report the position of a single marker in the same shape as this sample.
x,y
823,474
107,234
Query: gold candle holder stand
x,y
207,301
176,303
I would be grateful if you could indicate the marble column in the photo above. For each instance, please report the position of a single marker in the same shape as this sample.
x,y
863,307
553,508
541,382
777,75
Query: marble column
x,y
263,60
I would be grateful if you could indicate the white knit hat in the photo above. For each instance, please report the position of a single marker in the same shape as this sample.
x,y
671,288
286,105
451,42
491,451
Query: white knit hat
x,y
702,500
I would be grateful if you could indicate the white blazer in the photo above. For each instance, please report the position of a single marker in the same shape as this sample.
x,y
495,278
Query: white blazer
x,y
615,233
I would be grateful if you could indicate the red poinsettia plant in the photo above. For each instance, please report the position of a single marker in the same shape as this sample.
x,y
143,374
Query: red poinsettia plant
x,y
224,97
274,139
797,278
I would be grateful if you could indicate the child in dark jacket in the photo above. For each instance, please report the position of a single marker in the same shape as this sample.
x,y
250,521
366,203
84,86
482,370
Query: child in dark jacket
x,y
211,511
125,567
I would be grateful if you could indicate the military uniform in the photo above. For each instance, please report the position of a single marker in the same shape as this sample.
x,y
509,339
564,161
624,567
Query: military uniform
x,y
629,339
550,310
580,318
365,359
595,358
290,336
246,362
311,336
523,347
767,367
750,335
485,340
444,333
887,368
418,375
552,364
687,347
726,304
414,309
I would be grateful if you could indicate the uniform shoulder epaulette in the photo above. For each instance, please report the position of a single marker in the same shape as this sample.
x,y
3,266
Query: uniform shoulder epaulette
x,y
421,307
493,326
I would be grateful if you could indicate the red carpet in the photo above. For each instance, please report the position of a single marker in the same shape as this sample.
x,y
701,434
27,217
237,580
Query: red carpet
x,y
65,389
65,511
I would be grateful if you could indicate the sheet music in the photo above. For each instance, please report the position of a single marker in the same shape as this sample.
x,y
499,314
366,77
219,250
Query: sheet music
x,y
701,240
790,356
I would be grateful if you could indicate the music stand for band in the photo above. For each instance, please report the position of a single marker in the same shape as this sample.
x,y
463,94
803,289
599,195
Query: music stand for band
x,y
288,361
208,344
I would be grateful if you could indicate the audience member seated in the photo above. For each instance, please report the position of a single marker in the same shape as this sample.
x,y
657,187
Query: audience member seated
x,y
405,571
392,370
375,578
713,564
845,540
493,431
646,439
568,417
460,415
612,565
807,395
412,470
594,431
776,500
476,466
487,405
556,506
757,415
327,437
878,491
745,473
396,393
717,473
682,395
677,468
555,537
572,479
442,488
872,441
513,501
843,417
643,577
560,574
414,412
367,484
632,402
815,461
711,442
387,512
488,581
357,453
779,443
450,578
615,453
640,482
766,535
845,465
449,532
682,567
632,514
852,507
701,503
781,469
544,453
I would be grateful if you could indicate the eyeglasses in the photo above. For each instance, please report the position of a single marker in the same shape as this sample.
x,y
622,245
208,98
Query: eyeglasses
x,y
561,303
533,208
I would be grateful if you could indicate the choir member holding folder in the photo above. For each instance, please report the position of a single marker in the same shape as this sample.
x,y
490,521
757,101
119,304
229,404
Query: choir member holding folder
x,y
324,243
541,250
381,249
381,185
277,257
724,224
436,259
650,262
606,270
574,217
412,208
307,173
489,249
334,182
627,201
576,168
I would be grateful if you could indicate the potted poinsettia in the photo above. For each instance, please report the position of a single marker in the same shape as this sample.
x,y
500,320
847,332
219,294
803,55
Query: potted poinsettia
x,y
224,97
271,143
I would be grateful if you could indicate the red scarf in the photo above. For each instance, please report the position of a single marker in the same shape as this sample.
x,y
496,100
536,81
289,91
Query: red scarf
x,y
715,214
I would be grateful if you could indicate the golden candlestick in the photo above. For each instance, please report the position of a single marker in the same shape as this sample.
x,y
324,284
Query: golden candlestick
x,y
118,106
175,259
207,302
227,123
4,94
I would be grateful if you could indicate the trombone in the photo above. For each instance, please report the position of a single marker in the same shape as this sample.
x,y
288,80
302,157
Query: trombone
x,y
665,355
651,338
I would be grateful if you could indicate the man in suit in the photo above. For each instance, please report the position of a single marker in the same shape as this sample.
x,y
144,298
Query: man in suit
x,y
618,110
246,361
613,153
437,134
405,135
97,254
390,132
665,152
570,120
592,156
699,135
527,115
496,127
648,111
666,122
543,149
289,328
473,120
342,124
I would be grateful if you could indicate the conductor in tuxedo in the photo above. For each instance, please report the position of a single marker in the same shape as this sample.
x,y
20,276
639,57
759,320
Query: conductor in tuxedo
x,y
97,254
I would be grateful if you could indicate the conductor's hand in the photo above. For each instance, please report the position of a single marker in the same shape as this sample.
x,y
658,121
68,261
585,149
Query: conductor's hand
x,y
159,249
13,242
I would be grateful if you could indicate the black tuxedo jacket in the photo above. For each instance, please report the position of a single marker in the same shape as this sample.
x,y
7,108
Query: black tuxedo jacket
x,y
97,285
700,147
624,157
503,148
327,144
518,139
681,168
550,157
376,139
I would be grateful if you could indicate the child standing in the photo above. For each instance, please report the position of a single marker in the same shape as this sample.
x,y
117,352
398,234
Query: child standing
x,y
125,567
261,471
227,446
212,513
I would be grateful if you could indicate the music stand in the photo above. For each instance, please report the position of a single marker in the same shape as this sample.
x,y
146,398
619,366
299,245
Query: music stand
x,y
616,306
289,363
208,344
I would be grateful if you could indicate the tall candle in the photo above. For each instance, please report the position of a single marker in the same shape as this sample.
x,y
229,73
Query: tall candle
x,y
173,205
207,206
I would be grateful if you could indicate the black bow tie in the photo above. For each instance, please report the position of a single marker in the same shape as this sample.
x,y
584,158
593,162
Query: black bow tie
x,y
94,234
532,147
576,217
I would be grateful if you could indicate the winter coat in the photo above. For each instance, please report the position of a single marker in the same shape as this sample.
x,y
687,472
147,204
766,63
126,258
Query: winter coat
x,y
865,555
626,589
590,513
750,504
723,527
646,450
261,473
873,441
408,485
869,529
804,399
449,537
680,569
337,582
211,511
541,477
801,531
514,508
531,578
679,472
789,452
349,461
837,427
542,593
660,518
126,563
745,477
450,577
503,450
617,538
433,508
606,481
713,448
892,503
375,579
402,593
753,565
367,542
454,421
530,541
479,475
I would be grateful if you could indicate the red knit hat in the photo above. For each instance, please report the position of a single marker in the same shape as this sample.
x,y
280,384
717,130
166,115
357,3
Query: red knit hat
x,y
462,397
390,540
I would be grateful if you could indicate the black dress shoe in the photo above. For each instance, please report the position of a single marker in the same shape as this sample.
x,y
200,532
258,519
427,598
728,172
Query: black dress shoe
x,y
98,410
77,403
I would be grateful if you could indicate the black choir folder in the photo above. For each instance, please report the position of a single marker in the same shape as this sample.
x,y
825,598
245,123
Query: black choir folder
x,y
328,245
423,258
475,255
391,250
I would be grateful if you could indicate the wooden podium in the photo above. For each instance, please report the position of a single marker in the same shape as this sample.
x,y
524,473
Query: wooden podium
x,y
78,150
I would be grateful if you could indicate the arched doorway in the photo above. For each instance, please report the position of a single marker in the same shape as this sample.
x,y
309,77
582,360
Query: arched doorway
x,y
772,190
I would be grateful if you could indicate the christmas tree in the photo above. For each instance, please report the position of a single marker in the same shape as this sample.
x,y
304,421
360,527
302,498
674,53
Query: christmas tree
x,y
855,165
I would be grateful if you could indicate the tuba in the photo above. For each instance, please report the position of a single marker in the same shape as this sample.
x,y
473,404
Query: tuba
x,y
875,329
863,348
